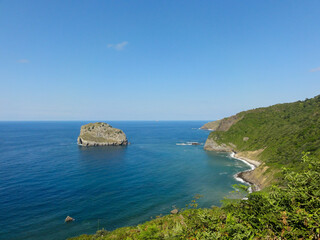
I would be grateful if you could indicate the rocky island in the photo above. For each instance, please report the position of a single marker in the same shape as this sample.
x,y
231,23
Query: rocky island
x,y
101,134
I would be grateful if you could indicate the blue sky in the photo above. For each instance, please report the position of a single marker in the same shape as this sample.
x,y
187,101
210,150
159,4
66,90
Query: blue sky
x,y
155,60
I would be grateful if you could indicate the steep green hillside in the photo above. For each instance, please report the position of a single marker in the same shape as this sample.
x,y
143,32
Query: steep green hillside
x,y
284,131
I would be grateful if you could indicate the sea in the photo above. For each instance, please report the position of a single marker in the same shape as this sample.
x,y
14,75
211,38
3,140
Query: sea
x,y
45,177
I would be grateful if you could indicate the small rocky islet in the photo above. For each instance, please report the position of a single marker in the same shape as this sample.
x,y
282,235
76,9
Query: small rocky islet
x,y
101,134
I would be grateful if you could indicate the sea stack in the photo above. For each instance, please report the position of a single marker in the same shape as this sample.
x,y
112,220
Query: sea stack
x,y
101,134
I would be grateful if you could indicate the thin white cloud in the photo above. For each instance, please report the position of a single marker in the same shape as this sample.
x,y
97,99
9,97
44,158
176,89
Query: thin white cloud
x,y
118,46
315,69
23,61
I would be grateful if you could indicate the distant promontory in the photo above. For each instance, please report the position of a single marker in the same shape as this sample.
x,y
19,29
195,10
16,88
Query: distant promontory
x,y
101,134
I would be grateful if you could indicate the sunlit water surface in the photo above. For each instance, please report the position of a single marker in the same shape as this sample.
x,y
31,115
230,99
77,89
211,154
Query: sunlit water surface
x,y
45,176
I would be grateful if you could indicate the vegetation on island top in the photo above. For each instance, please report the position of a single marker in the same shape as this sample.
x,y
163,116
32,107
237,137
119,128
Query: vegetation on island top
x,y
290,210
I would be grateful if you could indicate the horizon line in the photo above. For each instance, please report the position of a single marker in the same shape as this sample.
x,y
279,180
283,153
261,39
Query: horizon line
x,y
104,120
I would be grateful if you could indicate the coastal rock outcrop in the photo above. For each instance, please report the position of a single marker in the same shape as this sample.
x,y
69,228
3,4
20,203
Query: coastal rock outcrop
x,y
174,211
211,125
223,124
212,145
256,177
101,134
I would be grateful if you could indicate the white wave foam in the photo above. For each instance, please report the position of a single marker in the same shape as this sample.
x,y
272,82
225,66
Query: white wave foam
x,y
189,143
236,176
249,164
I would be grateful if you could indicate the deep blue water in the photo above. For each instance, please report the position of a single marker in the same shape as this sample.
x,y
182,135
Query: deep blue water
x,y
45,176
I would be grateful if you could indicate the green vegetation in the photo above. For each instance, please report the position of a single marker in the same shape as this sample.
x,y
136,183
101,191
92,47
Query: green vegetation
x,y
284,131
292,212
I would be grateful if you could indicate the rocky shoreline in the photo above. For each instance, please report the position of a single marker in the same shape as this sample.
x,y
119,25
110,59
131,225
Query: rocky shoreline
x,y
254,176
242,176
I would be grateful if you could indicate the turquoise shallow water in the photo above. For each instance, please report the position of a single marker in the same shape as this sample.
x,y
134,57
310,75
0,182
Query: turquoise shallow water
x,y
45,176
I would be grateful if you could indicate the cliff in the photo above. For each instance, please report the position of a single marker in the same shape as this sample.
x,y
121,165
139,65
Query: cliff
x,y
212,145
211,125
101,134
279,135
222,124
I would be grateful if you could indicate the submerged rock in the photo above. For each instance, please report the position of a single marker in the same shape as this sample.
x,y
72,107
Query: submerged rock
x,y
101,134
69,219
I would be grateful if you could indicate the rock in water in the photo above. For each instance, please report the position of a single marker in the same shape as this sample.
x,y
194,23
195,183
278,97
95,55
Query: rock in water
x,y
69,219
101,134
174,211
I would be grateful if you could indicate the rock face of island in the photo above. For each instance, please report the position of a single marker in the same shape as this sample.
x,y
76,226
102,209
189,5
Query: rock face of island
x,y
101,134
